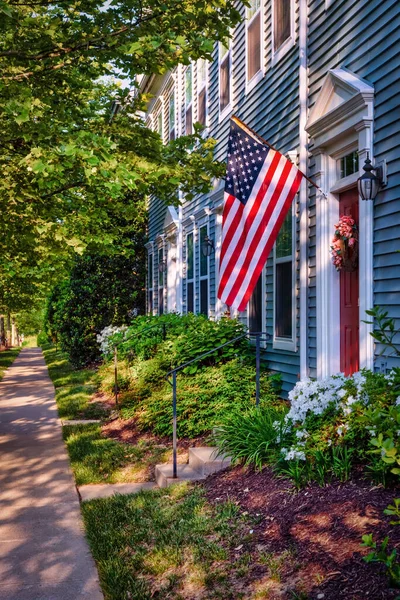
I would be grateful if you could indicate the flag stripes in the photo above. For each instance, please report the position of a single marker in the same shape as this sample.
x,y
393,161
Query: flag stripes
x,y
253,214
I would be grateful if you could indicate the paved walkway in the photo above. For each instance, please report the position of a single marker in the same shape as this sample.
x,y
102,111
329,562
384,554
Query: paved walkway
x,y
43,551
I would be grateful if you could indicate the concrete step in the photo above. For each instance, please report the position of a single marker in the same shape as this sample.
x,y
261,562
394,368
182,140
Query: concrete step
x,y
205,460
105,490
163,474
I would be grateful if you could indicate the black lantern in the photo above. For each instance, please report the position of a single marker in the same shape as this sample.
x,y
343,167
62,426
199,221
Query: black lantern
x,y
368,183
207,247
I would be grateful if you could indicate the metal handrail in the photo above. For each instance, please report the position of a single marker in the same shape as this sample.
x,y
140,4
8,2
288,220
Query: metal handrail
x,y
174,372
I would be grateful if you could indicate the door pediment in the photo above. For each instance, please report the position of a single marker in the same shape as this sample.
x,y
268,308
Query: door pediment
x,y
343,101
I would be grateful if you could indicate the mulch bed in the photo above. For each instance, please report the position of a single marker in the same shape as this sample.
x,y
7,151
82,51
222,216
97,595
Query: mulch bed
x,y
321,527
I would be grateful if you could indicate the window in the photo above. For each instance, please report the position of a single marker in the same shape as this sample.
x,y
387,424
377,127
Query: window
x,y
253,37
203,272
150,284
225,65
188,100
160,281
282,25
284,287
255,307
171,117
189,273
202,91
348,165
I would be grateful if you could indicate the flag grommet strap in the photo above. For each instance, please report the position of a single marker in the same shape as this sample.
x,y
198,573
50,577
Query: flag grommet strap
x,y
260,186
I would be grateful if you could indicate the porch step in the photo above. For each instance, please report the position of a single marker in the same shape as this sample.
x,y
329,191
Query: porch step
x,y
206,460
163,474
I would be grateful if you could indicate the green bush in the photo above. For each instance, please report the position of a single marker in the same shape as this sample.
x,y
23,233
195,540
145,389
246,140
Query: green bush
x,y
42,339
203,398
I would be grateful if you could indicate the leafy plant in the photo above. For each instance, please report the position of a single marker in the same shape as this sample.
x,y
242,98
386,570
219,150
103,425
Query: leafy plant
x,y
382,555
385,329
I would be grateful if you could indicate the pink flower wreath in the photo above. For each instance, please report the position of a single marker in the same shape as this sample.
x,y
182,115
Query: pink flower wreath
x,y
344,241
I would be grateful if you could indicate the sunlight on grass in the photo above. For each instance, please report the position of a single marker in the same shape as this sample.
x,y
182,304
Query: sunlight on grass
x,y
74,388
97,459
7,358
167,543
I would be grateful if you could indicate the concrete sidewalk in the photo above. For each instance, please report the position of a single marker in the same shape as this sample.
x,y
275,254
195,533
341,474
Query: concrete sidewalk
x,y
43,551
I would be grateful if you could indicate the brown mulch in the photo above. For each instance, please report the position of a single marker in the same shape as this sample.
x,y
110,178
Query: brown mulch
x,y
320,527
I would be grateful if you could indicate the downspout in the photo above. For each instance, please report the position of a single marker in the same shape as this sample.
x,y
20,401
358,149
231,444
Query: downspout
x,y
303,155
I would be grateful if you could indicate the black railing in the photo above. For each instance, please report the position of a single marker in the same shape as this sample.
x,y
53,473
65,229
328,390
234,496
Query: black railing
x,y
258,339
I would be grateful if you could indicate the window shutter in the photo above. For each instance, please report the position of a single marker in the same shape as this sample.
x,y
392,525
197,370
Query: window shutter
x,y
202,107
254,46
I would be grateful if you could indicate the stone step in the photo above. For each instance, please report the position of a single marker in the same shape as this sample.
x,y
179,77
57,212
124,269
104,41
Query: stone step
x,y
105,490
67,423
206,460
163,474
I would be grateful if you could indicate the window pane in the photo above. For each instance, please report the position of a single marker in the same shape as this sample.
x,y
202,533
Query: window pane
x,y
253,8
283,300
160,272
254,47
188,85
171,117
203,259
282,22
150,302
188,124
150,271
284,241
201,73
204,296
201,109
189,256
224,47
224,91
255,307
190,297
159,125
349,164
161,301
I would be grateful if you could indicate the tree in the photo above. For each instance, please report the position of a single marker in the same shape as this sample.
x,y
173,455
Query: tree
x,y
68,174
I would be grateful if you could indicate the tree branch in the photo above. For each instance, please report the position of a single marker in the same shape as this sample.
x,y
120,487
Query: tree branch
x,y
65,188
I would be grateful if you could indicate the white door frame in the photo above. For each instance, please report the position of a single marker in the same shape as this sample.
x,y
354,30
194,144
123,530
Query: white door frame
x,y
341,119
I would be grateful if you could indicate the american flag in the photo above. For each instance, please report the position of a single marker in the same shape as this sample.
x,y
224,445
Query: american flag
x,y
260,186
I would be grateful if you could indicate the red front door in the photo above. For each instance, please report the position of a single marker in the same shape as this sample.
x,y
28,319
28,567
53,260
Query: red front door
x,y
349,298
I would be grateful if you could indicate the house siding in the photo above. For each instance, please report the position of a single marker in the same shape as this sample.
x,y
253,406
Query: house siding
x,y
363,38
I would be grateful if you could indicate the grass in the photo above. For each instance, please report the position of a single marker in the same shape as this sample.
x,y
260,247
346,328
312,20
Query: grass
x,y
167,543
7,358
97,459
74,389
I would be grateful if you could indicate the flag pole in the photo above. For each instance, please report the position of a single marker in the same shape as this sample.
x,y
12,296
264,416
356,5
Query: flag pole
x,y
261,139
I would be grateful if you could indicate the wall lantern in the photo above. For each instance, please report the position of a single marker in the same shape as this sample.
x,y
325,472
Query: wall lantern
x,y
369,184
207,247
162,266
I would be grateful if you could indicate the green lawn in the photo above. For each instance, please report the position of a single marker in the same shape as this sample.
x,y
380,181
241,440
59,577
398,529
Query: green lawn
x,y
97,459
7,358
74,388
168,543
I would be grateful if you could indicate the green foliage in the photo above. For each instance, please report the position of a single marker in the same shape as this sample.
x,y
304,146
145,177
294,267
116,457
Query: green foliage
x,y
385,330
100,290
382,555
70,175
202,399
252,437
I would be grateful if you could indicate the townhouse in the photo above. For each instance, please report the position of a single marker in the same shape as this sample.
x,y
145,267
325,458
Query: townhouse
x,y
320,80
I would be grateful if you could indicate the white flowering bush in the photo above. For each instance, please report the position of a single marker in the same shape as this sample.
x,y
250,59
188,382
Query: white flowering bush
x,y
106,337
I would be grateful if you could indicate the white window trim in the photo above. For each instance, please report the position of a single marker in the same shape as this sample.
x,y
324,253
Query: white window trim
x,y
279,53
228,108
193,279
284,343
204,277
250,84
190,105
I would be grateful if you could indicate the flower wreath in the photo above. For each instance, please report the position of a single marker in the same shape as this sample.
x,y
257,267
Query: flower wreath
x,y
344,247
